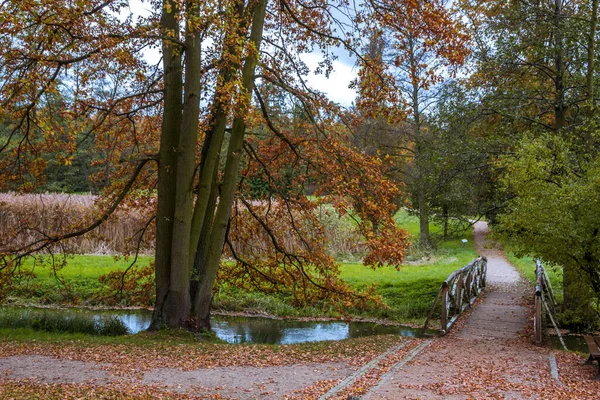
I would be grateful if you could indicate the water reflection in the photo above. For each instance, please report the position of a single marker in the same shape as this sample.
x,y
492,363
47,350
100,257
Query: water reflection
x,y
264,330
573,343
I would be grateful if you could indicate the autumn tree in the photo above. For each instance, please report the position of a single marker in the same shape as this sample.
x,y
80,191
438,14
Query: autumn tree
x,y
190,127
413,52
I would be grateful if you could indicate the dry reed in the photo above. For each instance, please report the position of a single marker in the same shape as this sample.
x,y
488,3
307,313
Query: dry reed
x,y
29,218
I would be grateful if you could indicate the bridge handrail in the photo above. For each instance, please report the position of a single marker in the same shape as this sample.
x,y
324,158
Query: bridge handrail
x,y
544,297
458,292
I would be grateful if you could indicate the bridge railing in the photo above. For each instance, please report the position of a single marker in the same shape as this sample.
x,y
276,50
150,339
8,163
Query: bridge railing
x,y
545,302
458,292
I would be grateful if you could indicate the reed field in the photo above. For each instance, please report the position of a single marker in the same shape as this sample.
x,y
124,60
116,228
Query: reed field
x,y
26,218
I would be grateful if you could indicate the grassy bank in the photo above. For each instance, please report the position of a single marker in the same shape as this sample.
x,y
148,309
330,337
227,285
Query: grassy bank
x,y
526,267
76,282
408,292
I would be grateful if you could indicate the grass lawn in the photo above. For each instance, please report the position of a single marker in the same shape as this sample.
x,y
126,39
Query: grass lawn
x,y
526,267
83,267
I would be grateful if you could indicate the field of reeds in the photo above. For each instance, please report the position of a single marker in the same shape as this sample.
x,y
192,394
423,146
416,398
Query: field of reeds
x,y
31,218
27,218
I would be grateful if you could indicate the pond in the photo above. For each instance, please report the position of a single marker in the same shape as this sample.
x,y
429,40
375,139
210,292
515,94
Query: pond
x,y
262,330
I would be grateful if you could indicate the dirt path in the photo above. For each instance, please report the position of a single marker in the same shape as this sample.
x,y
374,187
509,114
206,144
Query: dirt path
x,y
487,355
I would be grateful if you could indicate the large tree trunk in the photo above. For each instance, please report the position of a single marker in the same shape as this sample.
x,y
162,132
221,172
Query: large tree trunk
x,y
179,301
167,163
211,149
203,298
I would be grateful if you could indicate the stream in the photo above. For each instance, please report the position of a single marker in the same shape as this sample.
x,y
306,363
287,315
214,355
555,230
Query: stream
x,y
259,329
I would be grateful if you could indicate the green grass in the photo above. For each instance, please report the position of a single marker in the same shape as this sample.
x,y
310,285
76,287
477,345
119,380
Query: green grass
x,y
83,266
41,283
526,267
410,291
232,299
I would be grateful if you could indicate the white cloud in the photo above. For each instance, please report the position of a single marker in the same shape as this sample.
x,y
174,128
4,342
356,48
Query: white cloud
x,y
336,86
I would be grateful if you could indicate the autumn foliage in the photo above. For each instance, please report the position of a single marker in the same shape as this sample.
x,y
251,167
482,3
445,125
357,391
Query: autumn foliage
x,y
218,144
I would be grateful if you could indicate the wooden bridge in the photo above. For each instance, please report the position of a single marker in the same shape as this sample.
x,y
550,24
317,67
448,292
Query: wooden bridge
x,y
458,292
487,341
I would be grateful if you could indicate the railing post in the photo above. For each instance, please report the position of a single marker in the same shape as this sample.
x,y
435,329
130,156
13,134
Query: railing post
x,y
539,289
537,321
459,295
469,287
483,271
444,319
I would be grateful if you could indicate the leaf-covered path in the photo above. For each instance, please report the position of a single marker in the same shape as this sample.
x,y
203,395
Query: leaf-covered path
x,y
487,355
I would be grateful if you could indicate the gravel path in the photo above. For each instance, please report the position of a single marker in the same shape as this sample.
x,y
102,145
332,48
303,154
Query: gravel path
x,y
246,382
229,382
51,370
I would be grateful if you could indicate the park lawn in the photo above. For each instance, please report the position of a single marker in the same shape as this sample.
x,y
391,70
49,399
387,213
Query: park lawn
x,y
84,266
526,267
409,291
80,274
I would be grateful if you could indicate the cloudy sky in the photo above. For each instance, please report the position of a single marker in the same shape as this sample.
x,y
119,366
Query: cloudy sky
x,y
336,86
